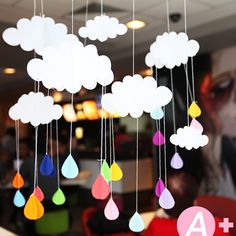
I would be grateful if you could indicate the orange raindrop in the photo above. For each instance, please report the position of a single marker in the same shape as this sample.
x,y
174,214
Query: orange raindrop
x,y
18,181
34,209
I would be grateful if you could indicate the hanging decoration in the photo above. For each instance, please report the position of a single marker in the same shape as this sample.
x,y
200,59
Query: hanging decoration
x,y
25,111
160,186
176,161
157,113
61,61
18,181
33,209
166,200
36,34
39,193
58,197
135,95
100,188
171,49
46,167
158,138
102,27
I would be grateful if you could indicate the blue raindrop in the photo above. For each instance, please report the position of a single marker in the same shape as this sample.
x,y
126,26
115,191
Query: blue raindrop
x,y
136,223
46,166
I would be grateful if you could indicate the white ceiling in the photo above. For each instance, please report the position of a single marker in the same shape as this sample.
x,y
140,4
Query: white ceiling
x,y
205,18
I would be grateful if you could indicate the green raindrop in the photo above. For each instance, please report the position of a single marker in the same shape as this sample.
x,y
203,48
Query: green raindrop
x,y
106,172
58,197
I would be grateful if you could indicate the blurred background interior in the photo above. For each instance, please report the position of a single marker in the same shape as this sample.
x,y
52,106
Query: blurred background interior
x,y
208,175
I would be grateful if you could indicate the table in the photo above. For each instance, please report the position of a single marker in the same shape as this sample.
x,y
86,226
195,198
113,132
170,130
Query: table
x,y
4,232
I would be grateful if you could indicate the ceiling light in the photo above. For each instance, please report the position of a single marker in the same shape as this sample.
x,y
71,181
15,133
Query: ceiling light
x,y
9,70
57,96
136,24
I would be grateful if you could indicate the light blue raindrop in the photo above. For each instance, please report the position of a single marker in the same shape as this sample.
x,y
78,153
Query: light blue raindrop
x,y
136,223
157,113
19,200
69,168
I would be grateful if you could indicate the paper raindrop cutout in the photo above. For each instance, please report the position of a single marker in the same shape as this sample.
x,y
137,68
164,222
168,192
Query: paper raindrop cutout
x,y
100,188
58,197
160,186
69,168
194,110
158,138
70,63
35,34
166,200
102,28
135,95
157,113
111,211
116,172
176,161
189,137
106,171
39,193
33,209
170,50
136,223
46,166
19,200
18,181
196,125
25,111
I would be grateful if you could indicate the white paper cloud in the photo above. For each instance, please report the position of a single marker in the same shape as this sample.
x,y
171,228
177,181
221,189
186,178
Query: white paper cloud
x,y
70,65
189,137
135,95
102,28
36,109
35,34
170,50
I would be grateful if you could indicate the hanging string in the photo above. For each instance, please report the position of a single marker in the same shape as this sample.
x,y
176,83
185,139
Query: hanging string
x,y
17,129
105,133
57,152
34,12
51,146
185,16
102,7
36,157
137,164
71,122
187,98
193,79
113,140
168,15
164,131
101,145
72,16
173,104
47,132
110,144
42,8
133,39
86,19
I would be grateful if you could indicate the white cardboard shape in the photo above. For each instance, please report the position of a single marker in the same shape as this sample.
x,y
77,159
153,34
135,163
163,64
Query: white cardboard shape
x,y
189,137
171,49
102,28
35,108
71,65
36,34
135,95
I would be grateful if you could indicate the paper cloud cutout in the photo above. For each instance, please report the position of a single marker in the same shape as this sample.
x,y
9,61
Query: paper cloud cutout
x,y
135,95
70,66
102,28
189,137
35,34
36,109
170,50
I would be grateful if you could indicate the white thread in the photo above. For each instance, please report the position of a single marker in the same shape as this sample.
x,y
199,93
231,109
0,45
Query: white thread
x,y
164,131
71,122
168,15
36,156
57,150
133,40
137,164
101,146
72,16
86,19
193,79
